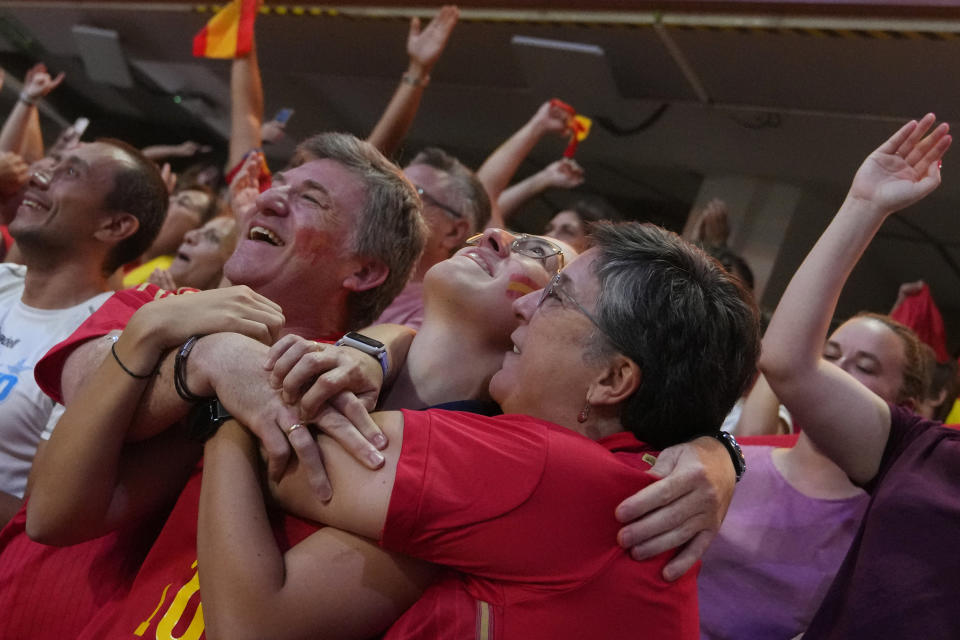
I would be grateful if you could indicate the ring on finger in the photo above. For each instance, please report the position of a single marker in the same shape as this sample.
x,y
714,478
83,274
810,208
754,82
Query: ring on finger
x,y
293,428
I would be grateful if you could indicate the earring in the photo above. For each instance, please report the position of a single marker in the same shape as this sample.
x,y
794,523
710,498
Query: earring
x,y
584,413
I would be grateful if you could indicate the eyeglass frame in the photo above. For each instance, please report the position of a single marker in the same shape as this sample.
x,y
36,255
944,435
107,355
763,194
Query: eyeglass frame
x,y
554,285
426,198
514,248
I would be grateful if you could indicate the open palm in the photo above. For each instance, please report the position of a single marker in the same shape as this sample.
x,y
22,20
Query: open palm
x,y
905,168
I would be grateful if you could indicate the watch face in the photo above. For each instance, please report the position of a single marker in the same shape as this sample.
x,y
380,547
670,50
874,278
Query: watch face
x,y
359,337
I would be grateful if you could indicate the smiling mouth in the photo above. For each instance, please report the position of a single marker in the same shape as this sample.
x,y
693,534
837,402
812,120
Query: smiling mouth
x,y
475,256
262,234
183,256
32,204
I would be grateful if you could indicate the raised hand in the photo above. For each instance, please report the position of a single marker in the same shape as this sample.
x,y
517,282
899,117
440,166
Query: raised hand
x,y
564,174
272,131
14,173
169,177
163,279
246,185
425,46
38,82
904,169
550,118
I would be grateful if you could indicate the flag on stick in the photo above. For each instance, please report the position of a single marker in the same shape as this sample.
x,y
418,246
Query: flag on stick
x,y
229,34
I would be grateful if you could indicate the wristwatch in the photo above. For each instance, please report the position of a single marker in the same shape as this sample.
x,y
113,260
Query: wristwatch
x,y
205,418
736,453
368,345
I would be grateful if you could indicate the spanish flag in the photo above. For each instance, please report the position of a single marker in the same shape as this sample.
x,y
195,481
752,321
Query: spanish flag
x,y
229,34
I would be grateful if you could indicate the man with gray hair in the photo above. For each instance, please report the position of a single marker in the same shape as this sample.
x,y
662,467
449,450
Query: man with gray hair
x,y
455,206
322,251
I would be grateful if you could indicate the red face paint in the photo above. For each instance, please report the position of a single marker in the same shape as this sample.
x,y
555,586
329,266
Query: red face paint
x,y
520,285
318,240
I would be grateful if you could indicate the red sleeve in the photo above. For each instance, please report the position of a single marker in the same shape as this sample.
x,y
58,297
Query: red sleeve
x,y
479,495
113,314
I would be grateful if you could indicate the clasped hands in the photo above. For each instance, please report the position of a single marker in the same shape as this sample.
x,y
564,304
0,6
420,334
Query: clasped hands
x,y
322,386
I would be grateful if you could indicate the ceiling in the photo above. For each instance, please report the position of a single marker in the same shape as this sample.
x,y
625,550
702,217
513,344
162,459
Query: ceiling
x,y
795,93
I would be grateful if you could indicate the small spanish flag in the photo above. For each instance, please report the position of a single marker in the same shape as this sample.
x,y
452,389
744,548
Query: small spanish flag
x,y
578,126
229,34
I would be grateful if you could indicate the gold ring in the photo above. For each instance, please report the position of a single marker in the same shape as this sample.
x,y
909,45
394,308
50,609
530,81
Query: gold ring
x,y
293,428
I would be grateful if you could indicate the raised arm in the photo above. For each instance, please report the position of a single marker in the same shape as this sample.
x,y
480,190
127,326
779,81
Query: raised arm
x,y
21,131
246,106
761,412
562,174
331,584
848,423
424,48
183,150
498,169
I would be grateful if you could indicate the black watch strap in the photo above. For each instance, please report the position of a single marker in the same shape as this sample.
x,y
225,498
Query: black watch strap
x,y
205,418
736,453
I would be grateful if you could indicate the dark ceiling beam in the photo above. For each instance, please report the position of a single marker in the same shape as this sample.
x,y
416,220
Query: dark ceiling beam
x,y
852,8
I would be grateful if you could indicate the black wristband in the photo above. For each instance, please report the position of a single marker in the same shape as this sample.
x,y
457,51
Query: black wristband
x,y
180,372
736,453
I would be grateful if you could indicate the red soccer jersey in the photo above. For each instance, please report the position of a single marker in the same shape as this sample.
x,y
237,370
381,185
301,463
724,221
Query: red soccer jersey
x,y
164,601
524,509
53,592
114,314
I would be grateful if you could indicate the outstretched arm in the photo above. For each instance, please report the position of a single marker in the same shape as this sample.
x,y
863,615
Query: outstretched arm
x,y
424,49
21,131
563,174
332,583
848,422
246,106
498,169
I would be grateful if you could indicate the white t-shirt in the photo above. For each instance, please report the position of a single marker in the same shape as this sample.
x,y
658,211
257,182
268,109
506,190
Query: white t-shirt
x,y
26,334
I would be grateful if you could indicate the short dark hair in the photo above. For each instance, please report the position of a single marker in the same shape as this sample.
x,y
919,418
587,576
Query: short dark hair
x,y
593,209
731,261
472,194
692,328
389,228
140,191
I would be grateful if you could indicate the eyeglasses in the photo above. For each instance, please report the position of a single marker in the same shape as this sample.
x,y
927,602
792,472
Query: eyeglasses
x,y
549,254
555,290
430,200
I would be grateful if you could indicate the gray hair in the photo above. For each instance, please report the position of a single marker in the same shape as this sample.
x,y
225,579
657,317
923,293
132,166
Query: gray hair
x,y
692,328
470,191
390,226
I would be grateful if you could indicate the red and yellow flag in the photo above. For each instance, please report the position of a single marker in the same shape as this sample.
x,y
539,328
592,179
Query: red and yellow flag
x,y
577,125
229,34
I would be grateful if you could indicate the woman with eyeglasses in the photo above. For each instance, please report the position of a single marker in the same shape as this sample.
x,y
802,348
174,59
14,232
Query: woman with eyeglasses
x,y
641,343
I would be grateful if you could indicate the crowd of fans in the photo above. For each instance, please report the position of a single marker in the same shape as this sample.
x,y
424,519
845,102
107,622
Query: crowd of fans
x,y
341,399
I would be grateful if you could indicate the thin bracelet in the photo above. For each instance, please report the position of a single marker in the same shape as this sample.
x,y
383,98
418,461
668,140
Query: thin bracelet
x,y
179,371
415,81
26,99
113,350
